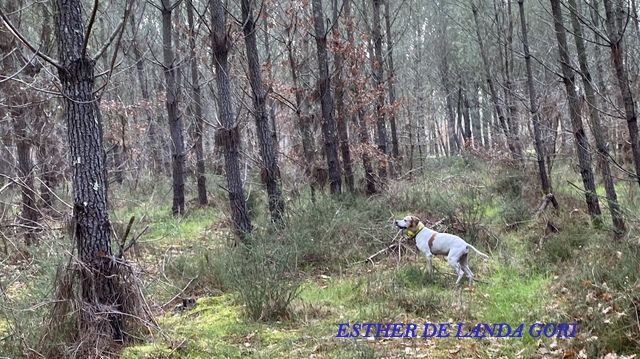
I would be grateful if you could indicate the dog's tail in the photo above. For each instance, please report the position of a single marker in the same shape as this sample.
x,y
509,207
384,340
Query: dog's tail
x,y
477,251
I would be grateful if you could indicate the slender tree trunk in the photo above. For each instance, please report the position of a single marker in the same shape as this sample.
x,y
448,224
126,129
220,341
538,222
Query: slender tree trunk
x,y
302,108
197,109
229,135
545,183
92,230
341,113
581,143
596,127
358,116
152,132
476,125
512,118
616,43
378,75
29,214
324,84
492,90
392,91
175,121
270,172
466,131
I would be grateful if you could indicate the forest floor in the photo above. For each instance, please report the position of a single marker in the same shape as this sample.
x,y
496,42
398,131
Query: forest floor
x,y
533,275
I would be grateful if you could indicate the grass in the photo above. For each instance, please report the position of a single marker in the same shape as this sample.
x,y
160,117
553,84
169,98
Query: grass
x,y
531,276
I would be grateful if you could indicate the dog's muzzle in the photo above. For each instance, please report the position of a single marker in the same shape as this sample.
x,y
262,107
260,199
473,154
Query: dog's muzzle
x,y
397,223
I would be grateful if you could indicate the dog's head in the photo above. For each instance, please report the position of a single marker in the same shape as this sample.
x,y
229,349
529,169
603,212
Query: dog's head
x,y
408,222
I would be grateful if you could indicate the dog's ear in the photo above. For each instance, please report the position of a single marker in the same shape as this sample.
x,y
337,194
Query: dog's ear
x,y
415,220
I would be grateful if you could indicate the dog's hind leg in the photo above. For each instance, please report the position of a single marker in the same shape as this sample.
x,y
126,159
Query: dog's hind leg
x,y
464,263
454,262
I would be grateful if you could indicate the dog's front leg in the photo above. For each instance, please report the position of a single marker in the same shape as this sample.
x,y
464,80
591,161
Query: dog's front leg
x,y
430,264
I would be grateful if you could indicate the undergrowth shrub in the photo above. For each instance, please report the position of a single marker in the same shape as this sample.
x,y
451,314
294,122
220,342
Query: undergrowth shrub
x,y
604,289
513,208
196,269
265,276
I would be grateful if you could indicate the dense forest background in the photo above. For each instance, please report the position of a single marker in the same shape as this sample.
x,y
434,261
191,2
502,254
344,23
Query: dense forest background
x,y
194,178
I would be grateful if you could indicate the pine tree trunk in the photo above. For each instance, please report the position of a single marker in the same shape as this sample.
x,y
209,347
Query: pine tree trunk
x,y
341,112
302,109
492,91
616,43
228,136
476,124
378,76
324,87
596,127
92,230
392,91
545,183
581,143
358,114
152,131
197,109
270,172
175,121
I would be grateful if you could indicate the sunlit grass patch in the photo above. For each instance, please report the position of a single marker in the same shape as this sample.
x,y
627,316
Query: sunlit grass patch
x,y
512,298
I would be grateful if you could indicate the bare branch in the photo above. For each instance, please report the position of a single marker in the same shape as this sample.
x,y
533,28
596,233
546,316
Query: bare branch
x,y
22,39
89,27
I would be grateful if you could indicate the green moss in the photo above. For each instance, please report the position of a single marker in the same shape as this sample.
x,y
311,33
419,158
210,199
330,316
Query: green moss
x,y
152,350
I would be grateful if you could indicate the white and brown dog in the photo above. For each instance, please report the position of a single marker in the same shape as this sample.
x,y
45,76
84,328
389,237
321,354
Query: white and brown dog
x,y
430,242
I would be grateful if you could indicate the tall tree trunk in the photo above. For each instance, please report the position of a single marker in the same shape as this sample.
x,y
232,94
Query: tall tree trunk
x,y
175,121
392,91
545,183
341,112
378,75
270,172
29,214
476,125
197,109
581,143
358,115
229,135
596,127
492,90
92,230
152,131
18,104
301,85
466,130
512,109
616,43
324,87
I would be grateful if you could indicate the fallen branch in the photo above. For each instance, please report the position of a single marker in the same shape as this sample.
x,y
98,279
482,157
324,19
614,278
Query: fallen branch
x,y
546,200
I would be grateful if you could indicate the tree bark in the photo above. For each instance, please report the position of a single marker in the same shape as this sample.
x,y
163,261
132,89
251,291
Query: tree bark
x,y
581,143
324,88
18,104
229,135
92,230
201,180
152,131
301,85
616,44
596,127
270,172
175,121
358,115
341,113
545,183
378,76
392,91
492,90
